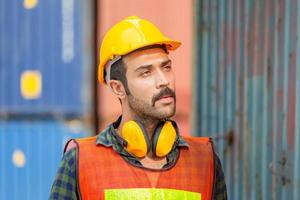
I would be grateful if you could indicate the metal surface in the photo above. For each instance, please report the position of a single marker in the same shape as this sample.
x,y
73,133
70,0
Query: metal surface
x,y
45,37
247,93
30,155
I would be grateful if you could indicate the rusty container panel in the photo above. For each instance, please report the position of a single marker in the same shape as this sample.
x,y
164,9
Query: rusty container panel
x,y
174,18
247,93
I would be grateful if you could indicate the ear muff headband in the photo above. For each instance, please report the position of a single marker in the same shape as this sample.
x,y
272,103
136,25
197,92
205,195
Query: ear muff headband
x,y
164,138
138,142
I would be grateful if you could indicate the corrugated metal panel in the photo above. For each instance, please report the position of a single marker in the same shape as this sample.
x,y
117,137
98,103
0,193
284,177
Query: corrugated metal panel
x,y
247,93
30,155
45,38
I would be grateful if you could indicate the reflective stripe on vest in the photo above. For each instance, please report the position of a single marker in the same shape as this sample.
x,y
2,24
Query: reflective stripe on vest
x,y
150,194
103,173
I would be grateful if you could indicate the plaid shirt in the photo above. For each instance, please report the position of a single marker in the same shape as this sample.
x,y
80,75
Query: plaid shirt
x,y
65,184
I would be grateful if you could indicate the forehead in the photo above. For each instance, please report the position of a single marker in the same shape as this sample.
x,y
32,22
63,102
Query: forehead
x,y
145,57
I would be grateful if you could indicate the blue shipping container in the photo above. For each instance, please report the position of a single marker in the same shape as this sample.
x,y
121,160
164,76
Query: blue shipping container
x,y
30,153
41,57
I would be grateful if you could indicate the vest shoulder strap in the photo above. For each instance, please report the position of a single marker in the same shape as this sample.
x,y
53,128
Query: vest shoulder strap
x,y
204,140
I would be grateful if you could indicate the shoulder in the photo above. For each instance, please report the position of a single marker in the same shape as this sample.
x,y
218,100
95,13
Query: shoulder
x,y
200,147
86,140
75,143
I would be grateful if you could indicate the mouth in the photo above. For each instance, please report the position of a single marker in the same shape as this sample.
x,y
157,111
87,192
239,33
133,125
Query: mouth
x,y
165,96
166,99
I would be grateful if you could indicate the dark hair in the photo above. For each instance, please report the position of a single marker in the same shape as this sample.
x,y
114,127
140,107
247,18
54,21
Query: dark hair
x,y
118,69
118,72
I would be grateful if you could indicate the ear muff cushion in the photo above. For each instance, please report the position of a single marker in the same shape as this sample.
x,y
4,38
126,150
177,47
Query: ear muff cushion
x,y
137,139
164,139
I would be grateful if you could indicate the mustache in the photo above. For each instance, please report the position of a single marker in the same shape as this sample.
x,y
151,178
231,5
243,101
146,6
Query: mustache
x,y
164,92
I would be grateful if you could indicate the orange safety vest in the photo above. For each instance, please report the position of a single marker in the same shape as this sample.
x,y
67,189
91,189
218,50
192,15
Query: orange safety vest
x,y
101,168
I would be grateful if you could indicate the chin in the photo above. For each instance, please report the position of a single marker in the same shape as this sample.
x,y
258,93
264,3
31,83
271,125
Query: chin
x,y
167,113
169,116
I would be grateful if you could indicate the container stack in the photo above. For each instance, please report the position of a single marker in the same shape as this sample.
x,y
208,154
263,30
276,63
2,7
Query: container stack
x,y
41,92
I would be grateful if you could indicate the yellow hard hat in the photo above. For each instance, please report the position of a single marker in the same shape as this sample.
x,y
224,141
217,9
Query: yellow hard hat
x,y
128,35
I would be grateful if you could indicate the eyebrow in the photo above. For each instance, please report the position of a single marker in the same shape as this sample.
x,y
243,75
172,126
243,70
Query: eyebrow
x,y
148,66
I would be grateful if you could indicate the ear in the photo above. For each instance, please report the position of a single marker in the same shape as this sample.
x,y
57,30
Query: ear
x,y
117,88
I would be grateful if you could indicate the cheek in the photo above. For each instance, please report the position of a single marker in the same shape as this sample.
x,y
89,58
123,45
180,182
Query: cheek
x,y
171,78
141,90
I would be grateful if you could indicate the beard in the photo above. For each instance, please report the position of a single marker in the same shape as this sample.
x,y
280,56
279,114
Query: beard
x,y
148,110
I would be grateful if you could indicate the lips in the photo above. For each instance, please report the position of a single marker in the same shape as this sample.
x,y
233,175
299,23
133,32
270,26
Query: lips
x,y
166,99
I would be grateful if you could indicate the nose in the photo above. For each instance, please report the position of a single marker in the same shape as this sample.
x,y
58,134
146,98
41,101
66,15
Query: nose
x,y
162,80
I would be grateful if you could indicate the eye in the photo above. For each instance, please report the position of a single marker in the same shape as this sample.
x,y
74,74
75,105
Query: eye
x,y
167,67
145,73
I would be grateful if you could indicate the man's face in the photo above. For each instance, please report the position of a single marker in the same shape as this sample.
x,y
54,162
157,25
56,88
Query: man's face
x,y
151,83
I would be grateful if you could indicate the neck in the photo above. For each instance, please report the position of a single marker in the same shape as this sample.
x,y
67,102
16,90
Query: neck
x,y
149,124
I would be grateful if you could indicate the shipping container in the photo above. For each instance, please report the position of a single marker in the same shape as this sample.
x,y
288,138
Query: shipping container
x,y
30,152
45,54
247,93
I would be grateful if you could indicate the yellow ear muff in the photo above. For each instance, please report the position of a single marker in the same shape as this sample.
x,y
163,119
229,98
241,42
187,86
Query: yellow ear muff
x,y
134,135
165,140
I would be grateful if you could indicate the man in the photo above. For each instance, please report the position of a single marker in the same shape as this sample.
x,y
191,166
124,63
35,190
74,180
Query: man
x,y
141,155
